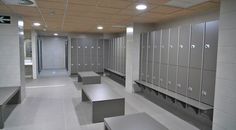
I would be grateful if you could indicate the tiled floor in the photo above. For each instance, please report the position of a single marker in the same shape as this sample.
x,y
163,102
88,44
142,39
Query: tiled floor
x,y
54,103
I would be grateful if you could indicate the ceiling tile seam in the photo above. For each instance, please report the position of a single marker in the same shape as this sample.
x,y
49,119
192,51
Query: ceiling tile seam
x,y
64,16
45,24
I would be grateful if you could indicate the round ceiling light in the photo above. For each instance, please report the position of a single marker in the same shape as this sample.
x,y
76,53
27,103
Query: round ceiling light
x,y
99,27
55,34
26,2
36,24
141,7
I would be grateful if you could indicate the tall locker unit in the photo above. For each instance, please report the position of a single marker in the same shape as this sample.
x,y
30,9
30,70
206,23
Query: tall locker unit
x,y
124,54
150,42
209,62
183,59
164,58
93,55
156,58
100,55
196,58
144,57
173,58
73,56
80,55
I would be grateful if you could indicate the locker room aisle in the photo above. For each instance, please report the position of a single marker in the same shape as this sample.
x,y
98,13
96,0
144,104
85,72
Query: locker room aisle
x,y
54,103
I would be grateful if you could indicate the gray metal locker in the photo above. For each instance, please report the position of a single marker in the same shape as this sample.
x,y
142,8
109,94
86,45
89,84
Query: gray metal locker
x,y
173,46
208,87
163,75
124,64
182,80
122,55
100,57
171,83
74,56
141,57
80,56
164,46
210,46
194,83
157,46
156,72
196,45
149,56
184,45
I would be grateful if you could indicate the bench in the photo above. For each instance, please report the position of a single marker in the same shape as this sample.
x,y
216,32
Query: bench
x,y
105,102
176,96
116,76
9,97
89,77
139,121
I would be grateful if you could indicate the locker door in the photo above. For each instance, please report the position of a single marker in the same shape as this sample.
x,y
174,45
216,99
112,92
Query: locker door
x,y
211,41
80,56
86,46
73,56
208,87
113,55
141,57
164,46
182,80
157,46
122,55
151,36
100,56
173,46
124,64
144,57
119,55
93,55
196,45
184,45
194,83
156,72
171,83
163,75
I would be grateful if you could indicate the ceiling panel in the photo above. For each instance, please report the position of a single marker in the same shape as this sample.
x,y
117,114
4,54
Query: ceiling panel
x,y
86,15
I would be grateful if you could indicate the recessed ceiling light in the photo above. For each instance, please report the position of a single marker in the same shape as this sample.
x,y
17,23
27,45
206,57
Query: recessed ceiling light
x,y
36,24
141,7
55,34
99,27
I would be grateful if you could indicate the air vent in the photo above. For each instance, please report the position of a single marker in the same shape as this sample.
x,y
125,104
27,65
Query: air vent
x,y
20,2
185,3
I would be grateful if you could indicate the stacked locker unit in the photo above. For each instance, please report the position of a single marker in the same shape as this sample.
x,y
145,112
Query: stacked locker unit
x,y
181,60
116,55
87,55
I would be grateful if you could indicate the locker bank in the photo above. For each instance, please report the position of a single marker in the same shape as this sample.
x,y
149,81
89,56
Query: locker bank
x,y
117,65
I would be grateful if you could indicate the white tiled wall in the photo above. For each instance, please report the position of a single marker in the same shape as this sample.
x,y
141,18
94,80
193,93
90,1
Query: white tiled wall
x,y
225,95
9,54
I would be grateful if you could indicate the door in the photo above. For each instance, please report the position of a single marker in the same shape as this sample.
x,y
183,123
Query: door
x,y
74,56
100,56
163,75
80,55
164,46
194,83
208,87
197,45
171,83
150,41
210,46
173,46
182,80
184,45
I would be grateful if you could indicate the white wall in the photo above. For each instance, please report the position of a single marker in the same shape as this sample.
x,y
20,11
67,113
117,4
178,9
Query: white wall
x,y
225,93
53,52
11,55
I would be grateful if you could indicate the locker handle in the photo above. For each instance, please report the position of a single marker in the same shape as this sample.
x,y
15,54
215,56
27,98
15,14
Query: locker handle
x,y
181,46
207,46
79,64
193,46
169,82
178,85
190,88
78,46
171,46
72,47
85,64
72,64
204,93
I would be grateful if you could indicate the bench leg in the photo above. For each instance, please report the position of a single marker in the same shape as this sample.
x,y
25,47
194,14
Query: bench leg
x,y
104,109
84,96
1,118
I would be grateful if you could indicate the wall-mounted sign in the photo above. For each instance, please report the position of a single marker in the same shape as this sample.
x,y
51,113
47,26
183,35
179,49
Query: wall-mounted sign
x,y
5,19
